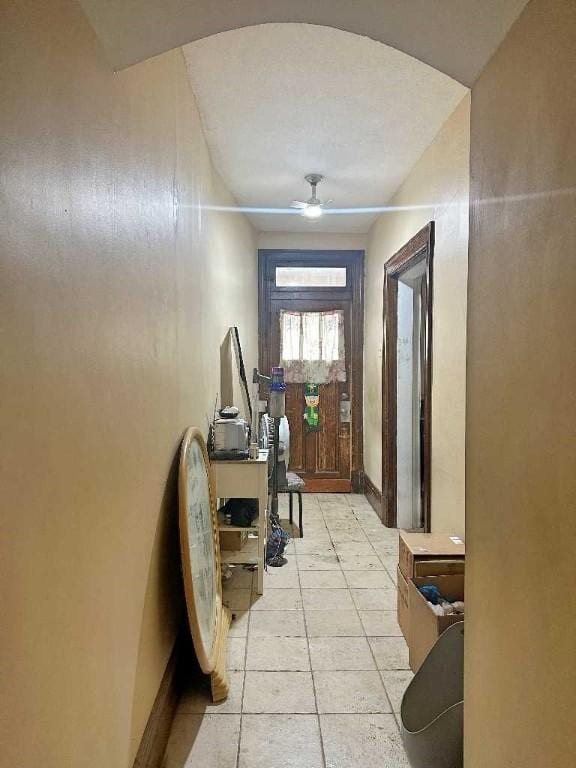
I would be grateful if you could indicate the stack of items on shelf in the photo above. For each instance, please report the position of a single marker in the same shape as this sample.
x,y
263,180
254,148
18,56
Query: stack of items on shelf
x,y
430,589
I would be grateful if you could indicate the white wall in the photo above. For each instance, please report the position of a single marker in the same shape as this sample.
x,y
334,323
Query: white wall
x,y
440,183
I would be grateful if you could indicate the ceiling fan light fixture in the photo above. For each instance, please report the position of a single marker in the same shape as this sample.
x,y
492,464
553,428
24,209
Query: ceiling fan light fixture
x,y
312,211
312,208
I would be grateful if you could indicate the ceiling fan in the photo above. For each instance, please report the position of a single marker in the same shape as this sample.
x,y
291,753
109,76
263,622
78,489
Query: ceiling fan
x,y
313,207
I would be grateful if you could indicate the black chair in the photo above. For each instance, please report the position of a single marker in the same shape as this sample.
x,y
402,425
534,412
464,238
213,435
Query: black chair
x,y
294,485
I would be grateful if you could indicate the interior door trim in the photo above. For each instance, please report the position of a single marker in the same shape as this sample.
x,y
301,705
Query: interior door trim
x,y
419,248
268,260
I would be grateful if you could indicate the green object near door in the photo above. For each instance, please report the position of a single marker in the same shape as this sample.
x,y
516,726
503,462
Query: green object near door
x,y
312,409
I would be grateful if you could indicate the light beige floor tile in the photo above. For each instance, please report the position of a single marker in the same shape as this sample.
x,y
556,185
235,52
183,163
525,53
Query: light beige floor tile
x,y
239,626
306,546
318,563
327,599
281,653
277,624
383,599
236,653
280,741
364,516
322,580
315,529
368,579
332,499
237,599
393,575
340,653
353,534
377,526
316,534
390,652
361,562
203,741
362,741
385,548
364,505
354,548
380,623
390,562
275,600
197,698
358,499
383,545
278,692
396,682
311,515
349,692
278,578
338,513
342,525
334,624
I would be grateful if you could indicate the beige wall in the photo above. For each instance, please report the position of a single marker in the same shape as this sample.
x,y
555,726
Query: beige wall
x,y
312,240
521,412
439,180
112,311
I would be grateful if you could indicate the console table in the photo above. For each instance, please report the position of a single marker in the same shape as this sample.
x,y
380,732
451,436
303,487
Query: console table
x,y
246,479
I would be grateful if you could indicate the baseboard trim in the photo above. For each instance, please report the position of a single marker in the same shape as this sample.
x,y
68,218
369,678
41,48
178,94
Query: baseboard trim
x,y
373,495
155,737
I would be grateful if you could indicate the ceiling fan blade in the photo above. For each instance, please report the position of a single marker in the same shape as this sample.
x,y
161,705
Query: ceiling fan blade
x,y
298,204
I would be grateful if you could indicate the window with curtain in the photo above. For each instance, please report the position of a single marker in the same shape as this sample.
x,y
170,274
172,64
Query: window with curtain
x,y
312,346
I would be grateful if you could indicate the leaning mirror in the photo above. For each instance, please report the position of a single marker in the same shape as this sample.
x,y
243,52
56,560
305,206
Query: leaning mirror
x,y
209,619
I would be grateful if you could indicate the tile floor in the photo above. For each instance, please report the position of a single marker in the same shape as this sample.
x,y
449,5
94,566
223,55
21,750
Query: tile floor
x,y
318,664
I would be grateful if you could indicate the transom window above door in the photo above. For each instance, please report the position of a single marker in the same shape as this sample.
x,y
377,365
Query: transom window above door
x,y
310,277
312,346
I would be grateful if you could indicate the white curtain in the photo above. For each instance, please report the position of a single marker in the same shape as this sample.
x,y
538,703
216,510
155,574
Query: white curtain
x,y
312,346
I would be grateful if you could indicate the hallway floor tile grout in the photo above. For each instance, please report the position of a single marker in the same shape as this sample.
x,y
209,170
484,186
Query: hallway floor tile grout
x,y
322,631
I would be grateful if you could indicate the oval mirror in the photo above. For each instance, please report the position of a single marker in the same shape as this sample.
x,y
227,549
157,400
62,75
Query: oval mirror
x,y
209,619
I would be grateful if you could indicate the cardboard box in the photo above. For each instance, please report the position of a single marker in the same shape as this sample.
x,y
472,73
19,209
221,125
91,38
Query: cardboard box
x,y
439,567
403,606
425,626
416,547
232,541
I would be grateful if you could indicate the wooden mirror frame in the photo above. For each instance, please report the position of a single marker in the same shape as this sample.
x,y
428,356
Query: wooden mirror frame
x,y
419,248
212,661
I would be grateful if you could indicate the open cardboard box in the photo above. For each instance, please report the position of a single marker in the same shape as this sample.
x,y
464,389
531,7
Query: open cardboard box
x,y
403,605
425,626
424,554
415,548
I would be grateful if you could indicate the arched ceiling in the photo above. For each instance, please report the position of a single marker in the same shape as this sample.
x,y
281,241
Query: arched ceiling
x,y
456,37
279,101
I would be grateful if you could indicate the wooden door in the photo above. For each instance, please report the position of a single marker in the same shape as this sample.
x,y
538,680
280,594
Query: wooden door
x,y
328,459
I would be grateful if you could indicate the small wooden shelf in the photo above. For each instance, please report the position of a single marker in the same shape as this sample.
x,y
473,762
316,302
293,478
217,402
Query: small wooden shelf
x,y
245,480
224,526
248,555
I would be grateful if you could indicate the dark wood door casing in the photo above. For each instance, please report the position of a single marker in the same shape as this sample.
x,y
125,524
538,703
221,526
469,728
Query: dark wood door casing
x,y
419,248
351,299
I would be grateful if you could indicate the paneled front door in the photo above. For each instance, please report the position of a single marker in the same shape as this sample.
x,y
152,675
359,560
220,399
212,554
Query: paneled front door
x,y
312,286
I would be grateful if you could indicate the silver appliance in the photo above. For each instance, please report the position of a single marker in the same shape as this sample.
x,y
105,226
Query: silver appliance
x,y
231,435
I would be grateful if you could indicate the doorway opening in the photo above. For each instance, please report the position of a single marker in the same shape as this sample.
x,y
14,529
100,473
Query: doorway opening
x,y
311,315
407,384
